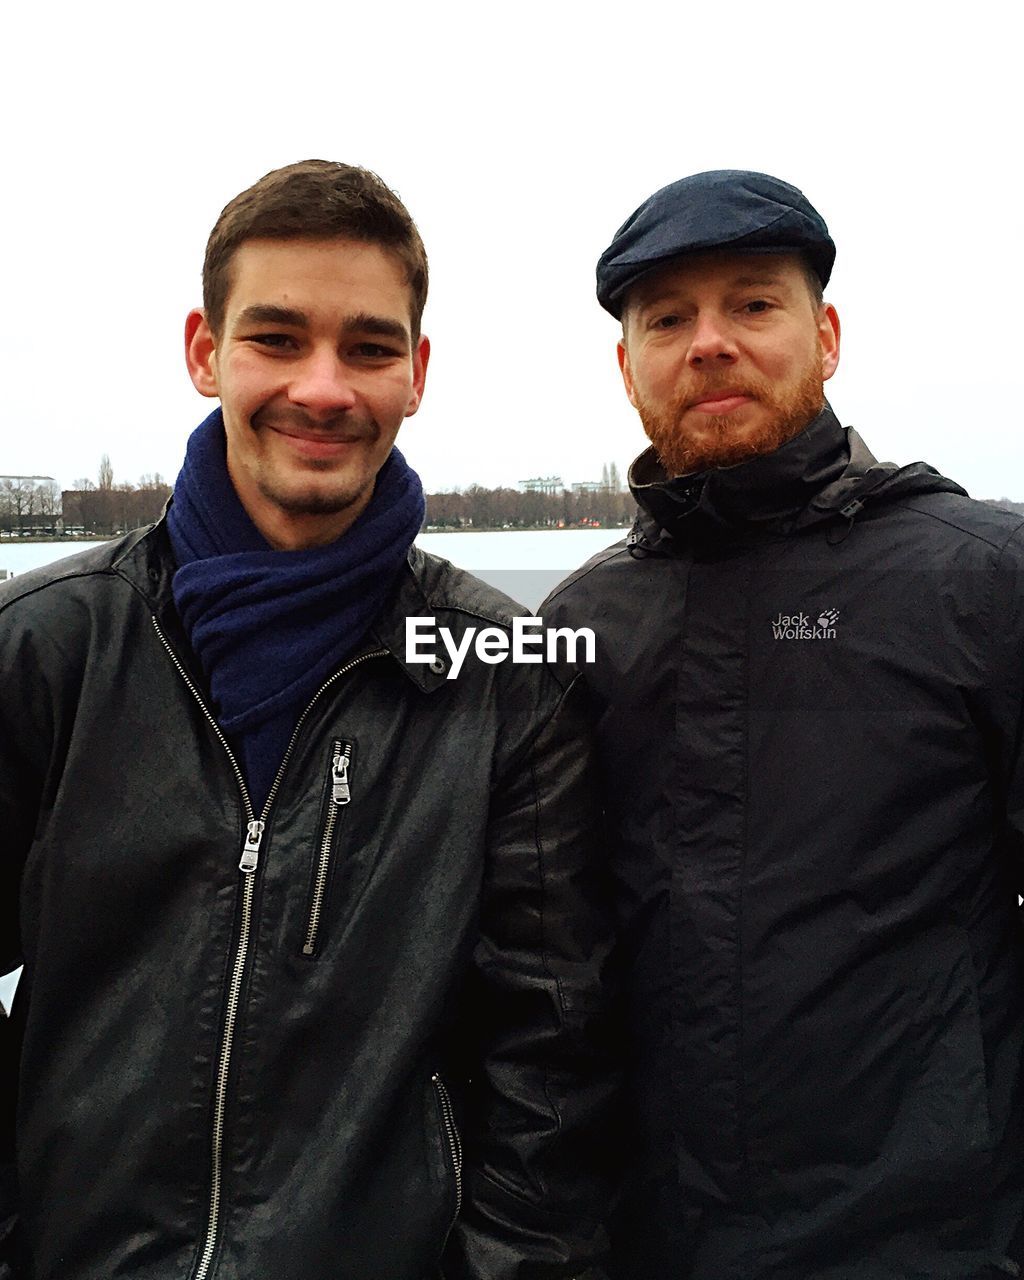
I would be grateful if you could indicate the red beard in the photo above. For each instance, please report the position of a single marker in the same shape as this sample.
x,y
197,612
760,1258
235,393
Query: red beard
x,y
704,442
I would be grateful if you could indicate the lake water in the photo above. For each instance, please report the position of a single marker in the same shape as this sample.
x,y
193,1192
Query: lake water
x,y
524,564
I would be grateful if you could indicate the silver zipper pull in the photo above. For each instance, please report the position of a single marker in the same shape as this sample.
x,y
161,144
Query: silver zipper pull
x,y
340,791
251,848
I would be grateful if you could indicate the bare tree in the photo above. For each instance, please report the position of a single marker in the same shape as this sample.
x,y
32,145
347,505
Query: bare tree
x,y
6,503
48,499
20,492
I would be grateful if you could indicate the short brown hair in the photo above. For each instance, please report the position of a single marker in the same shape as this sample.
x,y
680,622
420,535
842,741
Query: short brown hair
x,y
320,198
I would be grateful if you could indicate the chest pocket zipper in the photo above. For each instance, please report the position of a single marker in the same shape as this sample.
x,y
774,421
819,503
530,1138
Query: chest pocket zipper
x,y
451,1134
339,782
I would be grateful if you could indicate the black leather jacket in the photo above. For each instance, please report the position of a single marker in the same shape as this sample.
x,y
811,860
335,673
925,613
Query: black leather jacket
x,y
389,1022
810,696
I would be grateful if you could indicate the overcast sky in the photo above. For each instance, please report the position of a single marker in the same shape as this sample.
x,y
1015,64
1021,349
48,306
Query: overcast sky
x,y
519,140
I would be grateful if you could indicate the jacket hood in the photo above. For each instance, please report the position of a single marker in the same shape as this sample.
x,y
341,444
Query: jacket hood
x,y
825,473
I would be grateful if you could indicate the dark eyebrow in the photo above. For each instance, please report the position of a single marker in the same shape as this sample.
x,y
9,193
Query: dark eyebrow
x,y
264,312
377,326
267,313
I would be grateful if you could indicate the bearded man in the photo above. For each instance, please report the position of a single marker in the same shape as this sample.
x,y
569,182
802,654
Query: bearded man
x,y
809,686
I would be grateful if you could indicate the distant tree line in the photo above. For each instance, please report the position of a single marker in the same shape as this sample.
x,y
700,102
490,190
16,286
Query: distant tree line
x,y
479,508
106,508
34,505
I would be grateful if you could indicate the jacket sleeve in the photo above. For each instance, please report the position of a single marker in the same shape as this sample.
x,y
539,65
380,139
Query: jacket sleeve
x,y
1006,635
542,1066
1006,684
9,960
8,1186
22,726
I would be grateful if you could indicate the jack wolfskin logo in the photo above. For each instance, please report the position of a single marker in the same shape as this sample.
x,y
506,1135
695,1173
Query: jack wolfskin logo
x,y
798,626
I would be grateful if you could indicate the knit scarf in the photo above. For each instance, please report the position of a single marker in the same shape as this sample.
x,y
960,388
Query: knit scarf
x,y
268,627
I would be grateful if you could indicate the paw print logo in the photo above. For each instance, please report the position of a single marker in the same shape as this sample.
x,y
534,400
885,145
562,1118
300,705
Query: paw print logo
x,y
828,618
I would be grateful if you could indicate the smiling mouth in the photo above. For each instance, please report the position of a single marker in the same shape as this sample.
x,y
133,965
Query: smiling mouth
x,y
320,444
318,437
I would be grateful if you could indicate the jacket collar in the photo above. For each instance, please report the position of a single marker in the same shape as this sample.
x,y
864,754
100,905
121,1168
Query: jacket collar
x,y
408,601
767,492
824,474
146,561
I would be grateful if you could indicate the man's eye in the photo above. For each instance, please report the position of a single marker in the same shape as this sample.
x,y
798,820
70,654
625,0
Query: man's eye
x,y
757,305
275,341
666,322
374,350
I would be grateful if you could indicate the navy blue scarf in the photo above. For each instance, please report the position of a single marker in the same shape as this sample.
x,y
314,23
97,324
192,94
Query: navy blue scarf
x,y
269,627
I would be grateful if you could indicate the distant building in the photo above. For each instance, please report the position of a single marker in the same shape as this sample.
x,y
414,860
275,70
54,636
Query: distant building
x,y
542,484
590,486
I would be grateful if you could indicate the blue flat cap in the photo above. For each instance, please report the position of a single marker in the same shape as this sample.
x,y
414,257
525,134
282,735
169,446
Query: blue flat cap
x,y
721,209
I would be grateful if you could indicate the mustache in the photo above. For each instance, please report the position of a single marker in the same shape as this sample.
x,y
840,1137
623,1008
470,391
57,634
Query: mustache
x,y
342,425
706,388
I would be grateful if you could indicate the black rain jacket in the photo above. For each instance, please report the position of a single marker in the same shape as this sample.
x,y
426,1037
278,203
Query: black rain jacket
x,y
809,684
386,1032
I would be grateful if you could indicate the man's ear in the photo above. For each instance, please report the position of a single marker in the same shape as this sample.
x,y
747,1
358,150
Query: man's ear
x,y
828,336
201,353
420,358
626,371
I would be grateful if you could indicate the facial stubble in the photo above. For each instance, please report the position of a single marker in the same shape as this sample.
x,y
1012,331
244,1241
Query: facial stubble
x,y
329,495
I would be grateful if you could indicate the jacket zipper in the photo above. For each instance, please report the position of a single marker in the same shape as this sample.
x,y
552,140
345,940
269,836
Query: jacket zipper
x,y
341,794
247,866
452,1134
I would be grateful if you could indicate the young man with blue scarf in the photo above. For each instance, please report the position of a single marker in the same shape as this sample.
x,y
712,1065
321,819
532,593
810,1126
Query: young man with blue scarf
x,y
312,940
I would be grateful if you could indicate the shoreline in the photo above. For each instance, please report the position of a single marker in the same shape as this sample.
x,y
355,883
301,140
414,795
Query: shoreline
x,y
524,528
6,541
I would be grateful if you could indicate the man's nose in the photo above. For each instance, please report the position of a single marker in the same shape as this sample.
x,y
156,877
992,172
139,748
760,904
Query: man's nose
x,y
322,383
711,339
